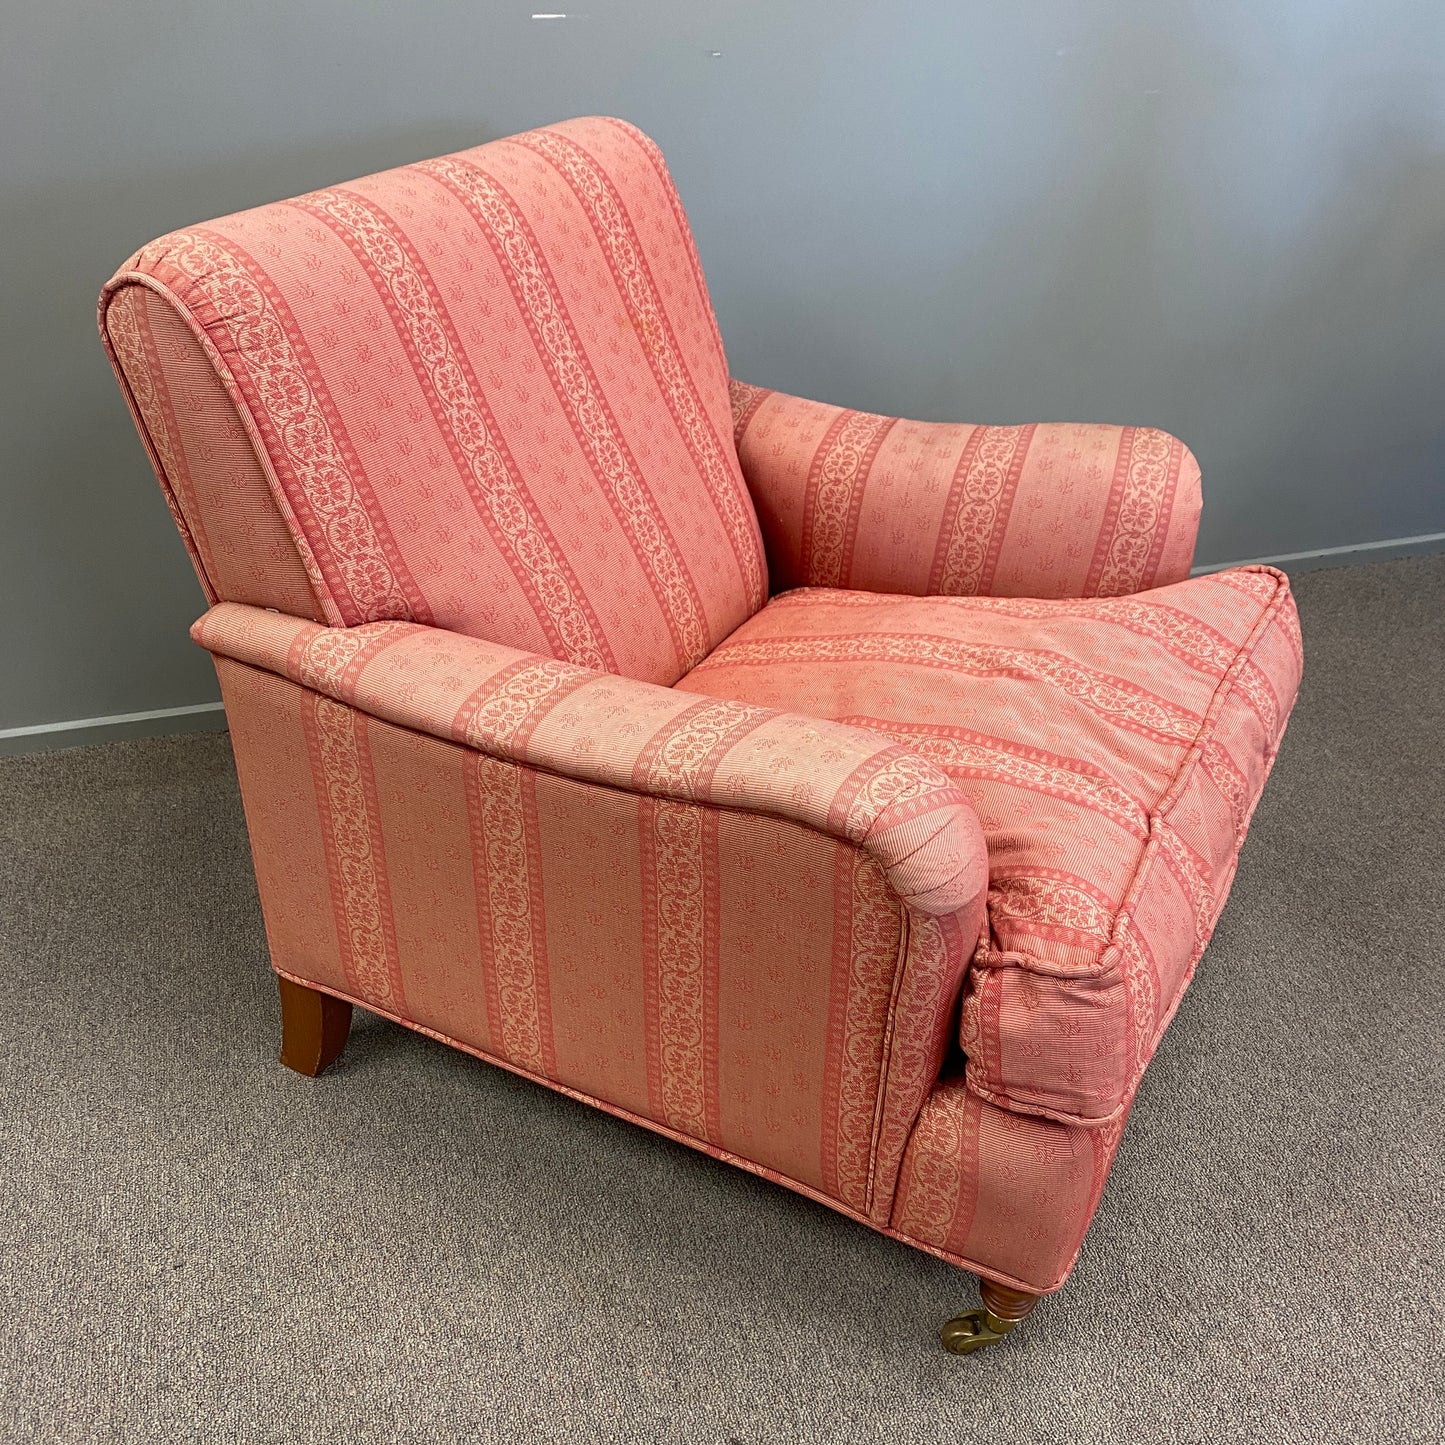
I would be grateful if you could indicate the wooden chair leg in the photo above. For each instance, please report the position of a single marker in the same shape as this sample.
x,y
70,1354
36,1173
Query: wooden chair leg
x,y
314,1027
1002,1309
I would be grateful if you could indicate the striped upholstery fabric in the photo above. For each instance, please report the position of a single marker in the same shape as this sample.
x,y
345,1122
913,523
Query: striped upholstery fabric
x,y
691,911
556,927
847,782
212,478
1114,750
849,499
487,393
981,1183
885,889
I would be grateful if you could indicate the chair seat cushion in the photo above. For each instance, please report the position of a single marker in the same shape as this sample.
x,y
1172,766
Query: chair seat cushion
x,y
1114,749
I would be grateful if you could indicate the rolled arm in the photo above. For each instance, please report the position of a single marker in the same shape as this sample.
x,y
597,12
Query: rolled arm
x,y
602,728
879,504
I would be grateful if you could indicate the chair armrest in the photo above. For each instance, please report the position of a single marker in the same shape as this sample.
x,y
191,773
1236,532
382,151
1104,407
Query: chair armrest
x,y
878,504
601,728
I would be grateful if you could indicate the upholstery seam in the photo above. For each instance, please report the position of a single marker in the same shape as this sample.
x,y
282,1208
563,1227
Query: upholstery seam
x,y
1108,959
314,576
885,1057
864,842
108,296
1028,1104
702,1146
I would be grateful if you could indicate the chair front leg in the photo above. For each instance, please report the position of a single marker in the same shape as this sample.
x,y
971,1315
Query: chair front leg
x,y
1002,1309
314,1027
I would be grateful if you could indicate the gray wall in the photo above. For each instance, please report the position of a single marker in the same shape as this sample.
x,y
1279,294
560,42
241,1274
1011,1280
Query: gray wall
x,y
1218,217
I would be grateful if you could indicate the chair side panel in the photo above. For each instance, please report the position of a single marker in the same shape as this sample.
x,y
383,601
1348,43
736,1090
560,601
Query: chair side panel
x,y
924,1025
1010,1195
239,542
283,818
727,976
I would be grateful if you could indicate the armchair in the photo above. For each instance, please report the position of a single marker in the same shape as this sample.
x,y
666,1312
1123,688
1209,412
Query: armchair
x,y
845,797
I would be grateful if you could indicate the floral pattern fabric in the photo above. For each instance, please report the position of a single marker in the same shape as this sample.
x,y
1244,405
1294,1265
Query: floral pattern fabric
x,y
877,504
1113,748
484,393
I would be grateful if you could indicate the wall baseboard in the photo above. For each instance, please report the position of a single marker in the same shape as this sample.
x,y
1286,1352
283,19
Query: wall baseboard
x,y
114,728
1387,551
209,716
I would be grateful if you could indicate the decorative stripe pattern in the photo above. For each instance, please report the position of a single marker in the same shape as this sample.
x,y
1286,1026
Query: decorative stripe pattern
x,y
342,531
331,659
1142,493
1230,780
134,342
623,248
1017,1191
235,531
889,787
964,754
681,759
924,1011
517,527
1141,1015
745,401
1192,872
511,917
502,714
835,493
940,1190
1040,510
680,961
1113,805
1052,904
355,856
865,959
976,514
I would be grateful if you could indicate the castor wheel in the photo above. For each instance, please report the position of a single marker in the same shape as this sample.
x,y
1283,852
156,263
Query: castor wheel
x,y
976,1330
1002,1309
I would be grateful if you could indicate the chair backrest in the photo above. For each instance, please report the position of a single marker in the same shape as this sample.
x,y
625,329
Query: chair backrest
x,y
485,392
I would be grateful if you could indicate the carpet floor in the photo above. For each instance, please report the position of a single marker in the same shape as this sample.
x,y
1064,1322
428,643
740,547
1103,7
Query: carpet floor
x,y
197,1244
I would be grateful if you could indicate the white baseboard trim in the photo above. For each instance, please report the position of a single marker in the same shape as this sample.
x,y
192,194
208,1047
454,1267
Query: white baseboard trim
x,y
1404,546
118,719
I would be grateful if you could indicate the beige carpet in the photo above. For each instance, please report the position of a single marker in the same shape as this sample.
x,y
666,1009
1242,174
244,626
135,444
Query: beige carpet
x,y
197,1244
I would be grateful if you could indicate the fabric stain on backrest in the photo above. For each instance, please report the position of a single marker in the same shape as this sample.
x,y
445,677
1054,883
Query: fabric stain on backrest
x,y
487,393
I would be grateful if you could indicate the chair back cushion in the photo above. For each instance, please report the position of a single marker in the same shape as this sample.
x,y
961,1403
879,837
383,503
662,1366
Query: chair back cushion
x,y
485,393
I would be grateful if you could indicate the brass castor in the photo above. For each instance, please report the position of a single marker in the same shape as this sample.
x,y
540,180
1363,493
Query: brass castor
x,y
1002,1309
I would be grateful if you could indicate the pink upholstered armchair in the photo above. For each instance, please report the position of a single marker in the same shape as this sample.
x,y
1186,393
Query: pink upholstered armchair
x,y
849,798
